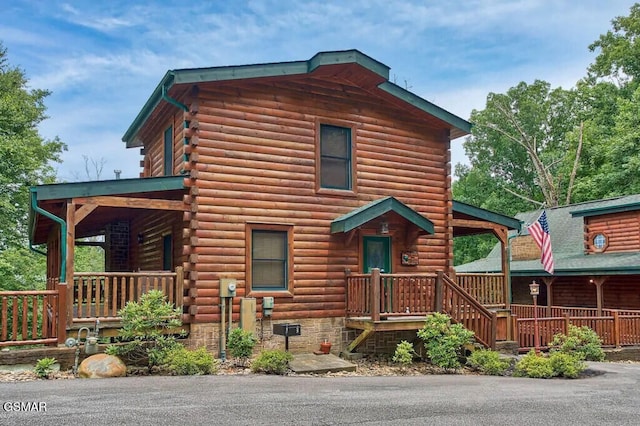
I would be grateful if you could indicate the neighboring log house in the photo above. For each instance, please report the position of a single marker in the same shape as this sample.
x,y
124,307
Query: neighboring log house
x,y
281,179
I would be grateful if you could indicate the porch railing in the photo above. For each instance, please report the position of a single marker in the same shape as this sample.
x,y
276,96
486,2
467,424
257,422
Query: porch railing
x,y
379,296
32,317
615,330
488,289
464,309
100,295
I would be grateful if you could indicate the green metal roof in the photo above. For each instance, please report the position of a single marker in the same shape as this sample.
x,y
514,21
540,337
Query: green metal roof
x,y
487,215
201,75
567,241
58,191
377,208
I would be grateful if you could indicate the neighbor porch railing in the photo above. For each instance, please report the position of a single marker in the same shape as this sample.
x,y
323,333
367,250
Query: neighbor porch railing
x,y
33,317
488,289
100,295
380,296
615,328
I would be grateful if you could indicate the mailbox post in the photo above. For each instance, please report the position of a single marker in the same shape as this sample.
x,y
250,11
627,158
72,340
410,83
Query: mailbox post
x,y
286,330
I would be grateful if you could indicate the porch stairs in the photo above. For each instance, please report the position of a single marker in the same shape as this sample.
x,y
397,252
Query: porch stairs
x,y
378,305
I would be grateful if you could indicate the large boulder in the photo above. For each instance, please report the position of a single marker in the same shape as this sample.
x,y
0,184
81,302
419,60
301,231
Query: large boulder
x,y
102,365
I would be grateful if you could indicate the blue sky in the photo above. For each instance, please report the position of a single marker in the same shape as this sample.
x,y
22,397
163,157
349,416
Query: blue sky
x,y
102,59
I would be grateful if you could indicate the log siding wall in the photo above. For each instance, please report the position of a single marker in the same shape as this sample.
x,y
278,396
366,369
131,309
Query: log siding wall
x,y
622,231
256,151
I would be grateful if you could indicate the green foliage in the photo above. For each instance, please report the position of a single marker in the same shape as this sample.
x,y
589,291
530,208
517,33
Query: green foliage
x,y
44,367
443,340
534,366
557,364
581,341
25,157
241,344
566,365
272,361
145,325
404,353
488,362
184,362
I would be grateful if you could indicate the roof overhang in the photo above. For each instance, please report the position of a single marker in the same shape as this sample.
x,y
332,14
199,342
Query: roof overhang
x,y
597,211
375,209
457,126
110,196
467,215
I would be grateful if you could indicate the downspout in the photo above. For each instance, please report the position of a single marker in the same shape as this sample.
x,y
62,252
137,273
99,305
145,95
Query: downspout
x,y
63,233
172,101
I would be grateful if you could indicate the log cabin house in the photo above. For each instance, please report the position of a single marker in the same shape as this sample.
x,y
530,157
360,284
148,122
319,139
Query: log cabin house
x,y
319,186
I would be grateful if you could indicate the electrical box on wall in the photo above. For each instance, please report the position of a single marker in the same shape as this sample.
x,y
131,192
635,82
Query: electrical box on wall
x,y
227,287
248,314
267,306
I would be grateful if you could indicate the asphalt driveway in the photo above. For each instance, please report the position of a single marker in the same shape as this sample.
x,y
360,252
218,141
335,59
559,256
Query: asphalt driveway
x,y
609,398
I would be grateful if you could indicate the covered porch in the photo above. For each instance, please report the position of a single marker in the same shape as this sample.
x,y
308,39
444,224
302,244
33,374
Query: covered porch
x,y
139,225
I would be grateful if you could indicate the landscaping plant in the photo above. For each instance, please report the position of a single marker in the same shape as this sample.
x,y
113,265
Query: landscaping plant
x,y
184,362
488,362
579,340
444,341
404,353
241,344
272,361
44,367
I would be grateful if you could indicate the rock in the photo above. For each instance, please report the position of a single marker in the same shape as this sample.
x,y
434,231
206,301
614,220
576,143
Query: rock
x,y
102,365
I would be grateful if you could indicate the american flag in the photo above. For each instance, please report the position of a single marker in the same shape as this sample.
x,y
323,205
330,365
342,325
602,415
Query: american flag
x,y
539,230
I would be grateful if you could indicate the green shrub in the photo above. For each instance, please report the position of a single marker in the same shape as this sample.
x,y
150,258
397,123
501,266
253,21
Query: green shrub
x,y
443,340
44,367
566,365
145,325
271,361
488,362
534,366
184,362
241,344
579,340
404,353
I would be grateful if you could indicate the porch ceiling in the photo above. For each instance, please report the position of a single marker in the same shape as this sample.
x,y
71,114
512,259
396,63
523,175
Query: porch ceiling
x,y
472,220
375,209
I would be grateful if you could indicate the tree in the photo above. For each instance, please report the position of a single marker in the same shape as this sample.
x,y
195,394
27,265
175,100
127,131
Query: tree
x,y
25,159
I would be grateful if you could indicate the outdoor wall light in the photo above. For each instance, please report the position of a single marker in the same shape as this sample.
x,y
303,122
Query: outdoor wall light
x,y
140,238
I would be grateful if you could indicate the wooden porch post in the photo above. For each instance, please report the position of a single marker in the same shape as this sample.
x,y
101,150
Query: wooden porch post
x,y
503,236
71,241
598,281
62,313
375,294
548,281
438,293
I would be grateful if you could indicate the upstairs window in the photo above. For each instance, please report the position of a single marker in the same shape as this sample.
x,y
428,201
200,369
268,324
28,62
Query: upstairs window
x,y
335,157
168,151
599,243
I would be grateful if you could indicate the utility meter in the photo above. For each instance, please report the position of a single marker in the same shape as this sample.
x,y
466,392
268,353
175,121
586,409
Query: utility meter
x,y
227,287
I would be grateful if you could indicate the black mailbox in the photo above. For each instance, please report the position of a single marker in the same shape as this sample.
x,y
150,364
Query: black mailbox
x,y
286,329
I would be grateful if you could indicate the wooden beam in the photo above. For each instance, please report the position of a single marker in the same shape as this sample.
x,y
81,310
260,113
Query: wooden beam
x,y
475,224
598,282
360,340
84,211
131,202
548,281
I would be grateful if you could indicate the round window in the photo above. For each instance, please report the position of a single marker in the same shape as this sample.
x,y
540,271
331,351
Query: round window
x,y
599,241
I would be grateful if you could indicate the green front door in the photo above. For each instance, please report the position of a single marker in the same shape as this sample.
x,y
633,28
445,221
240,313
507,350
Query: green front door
x,y
376,254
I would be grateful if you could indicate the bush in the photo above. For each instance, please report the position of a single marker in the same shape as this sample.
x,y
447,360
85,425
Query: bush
x,y
566,365
44,367
444,341
488,362
580,340
184,362
271,361
404,353
534,366
241,344
145,325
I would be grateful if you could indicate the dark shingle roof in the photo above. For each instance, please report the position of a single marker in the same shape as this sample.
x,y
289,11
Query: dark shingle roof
x,y
566,226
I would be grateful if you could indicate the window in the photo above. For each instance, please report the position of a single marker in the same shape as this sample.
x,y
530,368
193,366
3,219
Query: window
x,y
269,258
168,151
335,157
599,242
